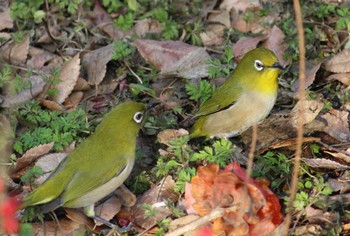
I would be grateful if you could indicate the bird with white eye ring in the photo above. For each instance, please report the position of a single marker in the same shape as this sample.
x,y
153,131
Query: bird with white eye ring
x,y
244,99
96,167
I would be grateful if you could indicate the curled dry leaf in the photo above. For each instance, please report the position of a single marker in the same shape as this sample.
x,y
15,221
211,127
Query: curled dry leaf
x,y
48,163
156,197
310,73
324,163
175,58
170,134
258,213
337,124
342,77
147,26
32,154
339,63
15,53
68,77
108,209
310,109
95,63
52,105
36,86
341,185
6,22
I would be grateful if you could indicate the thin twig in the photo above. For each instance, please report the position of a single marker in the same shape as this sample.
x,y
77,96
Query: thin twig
x,y
252,150
300,130
213,215
134,74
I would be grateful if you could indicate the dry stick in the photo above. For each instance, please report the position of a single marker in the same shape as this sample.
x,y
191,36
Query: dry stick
x,y
301,95
252,150
212,215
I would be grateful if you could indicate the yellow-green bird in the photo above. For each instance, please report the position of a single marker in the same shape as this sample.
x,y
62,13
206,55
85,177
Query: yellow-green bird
x,y
244,99
94,169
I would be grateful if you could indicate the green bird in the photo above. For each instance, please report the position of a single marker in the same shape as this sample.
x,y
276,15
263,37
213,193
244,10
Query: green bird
x,y
244,99
96,167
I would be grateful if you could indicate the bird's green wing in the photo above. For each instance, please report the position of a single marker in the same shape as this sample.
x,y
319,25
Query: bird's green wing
x,y
223,97
97,168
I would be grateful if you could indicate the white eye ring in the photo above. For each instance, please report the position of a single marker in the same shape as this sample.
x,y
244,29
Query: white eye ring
x,y
259,66
138,117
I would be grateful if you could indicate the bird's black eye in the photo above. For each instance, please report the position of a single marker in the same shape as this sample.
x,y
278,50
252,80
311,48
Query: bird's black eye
x,y
258,65
138,117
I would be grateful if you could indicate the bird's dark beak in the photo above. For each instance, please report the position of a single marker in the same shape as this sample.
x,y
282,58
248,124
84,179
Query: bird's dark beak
x,y
277,66
151,105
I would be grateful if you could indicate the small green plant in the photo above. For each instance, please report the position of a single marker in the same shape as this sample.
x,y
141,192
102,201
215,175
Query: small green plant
x,y
193,32
220,67
122,50
5,75
32,175
49,126
124,22
201,93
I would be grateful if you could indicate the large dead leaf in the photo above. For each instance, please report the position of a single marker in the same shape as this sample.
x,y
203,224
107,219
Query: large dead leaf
x,y
36,86
310,109
311,69
244,45
324,163
6,21
63,227
108,209
175,58
15,53
240,5
68,77
339,63
275,42
48,163
156,197
337,124
39,57
95,63
147,26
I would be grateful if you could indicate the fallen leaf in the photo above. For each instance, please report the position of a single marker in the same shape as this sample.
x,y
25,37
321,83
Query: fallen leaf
x,y
48,164
74,99
95,63
222,17
15,53
341,185
339,155
342,77
147,26
68,77
175,58
108,209
156,197
126,197
337,124
52,105
275,42
6,22
39,57
176,223
239,5
339,63
81,85
170,134
310,109
214,35
310,73
32,155
244,45
62,227
324,163
309,229
36,86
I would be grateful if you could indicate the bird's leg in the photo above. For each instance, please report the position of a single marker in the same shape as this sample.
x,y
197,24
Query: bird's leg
x,y
90,212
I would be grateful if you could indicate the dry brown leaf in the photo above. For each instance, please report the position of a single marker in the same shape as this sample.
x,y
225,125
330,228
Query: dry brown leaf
x,y
48,163
339,63
244,45
77,215
343,186
147,26
81,85
156,197
95,63
74,99
15,53
52,105
240,5
38,57
175,58
174,224
36,86
342,77
32,154
339,155
103,21
213,35
6,21
63,227
309,229
170,134
324,163
310,110
108,209
311,69
317,216
222,17
337,124
68,77
275,42
126,197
